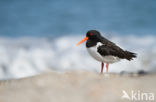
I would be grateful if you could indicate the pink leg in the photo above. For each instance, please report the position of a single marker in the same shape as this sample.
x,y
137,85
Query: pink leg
x,y
107,66
102,64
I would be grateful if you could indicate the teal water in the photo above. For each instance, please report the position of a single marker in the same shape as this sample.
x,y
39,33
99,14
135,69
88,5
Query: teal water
x,y
60,17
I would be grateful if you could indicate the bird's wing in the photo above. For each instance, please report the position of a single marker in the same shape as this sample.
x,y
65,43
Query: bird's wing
x,y
111,49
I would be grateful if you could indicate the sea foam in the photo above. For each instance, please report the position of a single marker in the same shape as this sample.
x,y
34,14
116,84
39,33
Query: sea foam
x,y
22,57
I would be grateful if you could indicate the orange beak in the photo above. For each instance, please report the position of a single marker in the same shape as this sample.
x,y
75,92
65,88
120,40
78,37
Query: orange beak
x,y
82,41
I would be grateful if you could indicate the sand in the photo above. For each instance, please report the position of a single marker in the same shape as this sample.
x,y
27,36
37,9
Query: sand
x,y
75,87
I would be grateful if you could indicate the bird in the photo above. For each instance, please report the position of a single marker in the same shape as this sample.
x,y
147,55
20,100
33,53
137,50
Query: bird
x,y
104,50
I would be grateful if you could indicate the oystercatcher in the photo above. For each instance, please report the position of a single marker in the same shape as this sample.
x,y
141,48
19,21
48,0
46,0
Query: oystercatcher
x,y
104,50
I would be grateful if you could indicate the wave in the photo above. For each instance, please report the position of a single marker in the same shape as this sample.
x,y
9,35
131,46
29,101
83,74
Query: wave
x,y
22,57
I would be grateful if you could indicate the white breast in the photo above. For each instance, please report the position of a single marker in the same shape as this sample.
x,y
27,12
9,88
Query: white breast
x,y
106,59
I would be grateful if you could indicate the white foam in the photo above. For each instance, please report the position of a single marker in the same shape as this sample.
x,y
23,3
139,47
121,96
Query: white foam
x,y
21,57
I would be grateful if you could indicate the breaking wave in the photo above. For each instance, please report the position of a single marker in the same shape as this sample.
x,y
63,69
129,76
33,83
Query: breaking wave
x,y
21,57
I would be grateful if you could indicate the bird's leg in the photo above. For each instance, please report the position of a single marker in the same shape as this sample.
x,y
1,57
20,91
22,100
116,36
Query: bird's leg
x,y
102,65
107,66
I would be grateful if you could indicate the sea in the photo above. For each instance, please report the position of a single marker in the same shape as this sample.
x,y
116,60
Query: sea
x,y
38,36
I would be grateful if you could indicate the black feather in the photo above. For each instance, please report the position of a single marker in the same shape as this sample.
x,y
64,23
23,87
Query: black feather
x,y
105,50
129,55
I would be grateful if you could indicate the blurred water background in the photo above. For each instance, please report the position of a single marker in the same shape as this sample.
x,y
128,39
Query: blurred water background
x,y
40,35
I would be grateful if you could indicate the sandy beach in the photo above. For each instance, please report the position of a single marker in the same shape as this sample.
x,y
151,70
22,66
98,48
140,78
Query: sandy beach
x,y
75,87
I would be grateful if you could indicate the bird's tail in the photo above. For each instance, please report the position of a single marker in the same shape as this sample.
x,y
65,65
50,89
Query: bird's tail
x,y
130,55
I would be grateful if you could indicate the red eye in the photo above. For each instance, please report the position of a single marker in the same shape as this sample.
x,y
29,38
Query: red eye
x,y
91,34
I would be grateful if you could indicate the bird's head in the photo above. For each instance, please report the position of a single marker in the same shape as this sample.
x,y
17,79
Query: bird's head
x,y
91,35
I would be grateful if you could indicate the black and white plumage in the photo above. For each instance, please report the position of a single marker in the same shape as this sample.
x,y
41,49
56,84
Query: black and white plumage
x,y
104,50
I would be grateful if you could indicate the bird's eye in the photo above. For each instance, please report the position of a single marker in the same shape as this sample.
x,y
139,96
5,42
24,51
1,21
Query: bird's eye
x,y
90,34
